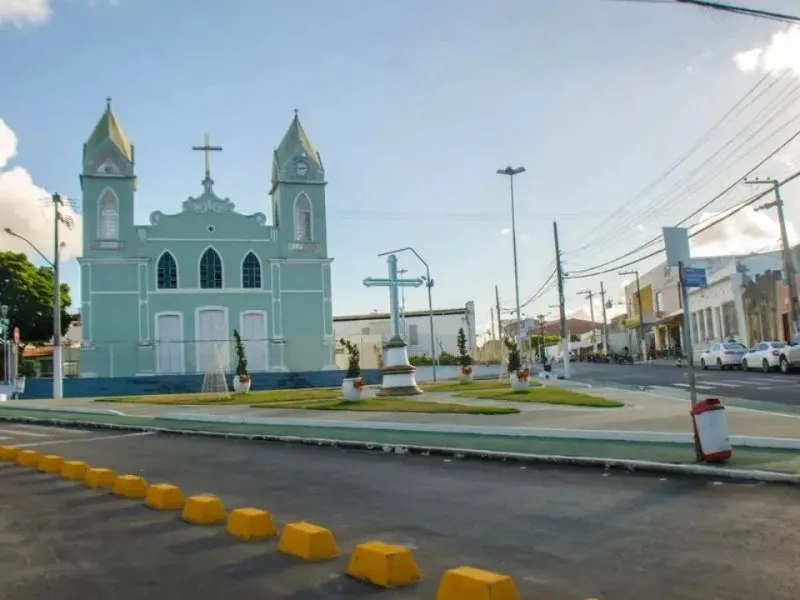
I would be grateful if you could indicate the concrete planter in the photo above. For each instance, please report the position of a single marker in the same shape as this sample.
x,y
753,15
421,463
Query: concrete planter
x,y
240,386
351,391
519,384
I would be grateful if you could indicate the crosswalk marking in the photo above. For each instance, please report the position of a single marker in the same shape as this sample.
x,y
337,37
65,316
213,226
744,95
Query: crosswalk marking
x,y
723,384
23,433
698,387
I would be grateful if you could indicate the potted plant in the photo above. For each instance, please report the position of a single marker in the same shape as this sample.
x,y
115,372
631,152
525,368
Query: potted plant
x,y
464,359
519,377
353,383
241,381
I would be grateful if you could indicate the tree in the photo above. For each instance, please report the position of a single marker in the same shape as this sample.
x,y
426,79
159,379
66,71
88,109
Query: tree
x,y
514,361
241,360
27,290
463,352
353,359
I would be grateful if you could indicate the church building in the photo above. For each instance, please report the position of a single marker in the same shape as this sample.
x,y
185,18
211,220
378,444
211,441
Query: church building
x,y
164,298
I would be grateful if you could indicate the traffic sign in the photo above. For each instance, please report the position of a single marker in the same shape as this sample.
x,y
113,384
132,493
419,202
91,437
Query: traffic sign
x,y
694,277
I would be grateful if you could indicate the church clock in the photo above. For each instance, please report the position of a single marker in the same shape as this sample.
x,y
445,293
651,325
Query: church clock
x,y
301,168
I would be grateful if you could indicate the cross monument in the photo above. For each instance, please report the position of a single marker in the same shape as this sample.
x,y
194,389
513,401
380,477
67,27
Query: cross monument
x,y
393,283
398,373
207,148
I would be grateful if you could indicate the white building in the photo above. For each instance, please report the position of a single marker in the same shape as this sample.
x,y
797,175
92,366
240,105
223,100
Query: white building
x,y
373,328
717,311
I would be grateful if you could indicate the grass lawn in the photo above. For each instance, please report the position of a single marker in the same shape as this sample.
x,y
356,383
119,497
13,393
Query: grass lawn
x,y
545,395
259,396
391,405
479,384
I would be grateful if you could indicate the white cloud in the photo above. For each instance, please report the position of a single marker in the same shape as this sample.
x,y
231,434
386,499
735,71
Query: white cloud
x,y
25,12
25,209
782,53
742,233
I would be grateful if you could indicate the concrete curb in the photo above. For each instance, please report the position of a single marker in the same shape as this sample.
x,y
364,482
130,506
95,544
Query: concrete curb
x,y
630,465
599,435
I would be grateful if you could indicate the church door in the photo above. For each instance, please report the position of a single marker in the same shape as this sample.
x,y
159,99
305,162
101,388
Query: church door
x,y
169,344
254,339
212,340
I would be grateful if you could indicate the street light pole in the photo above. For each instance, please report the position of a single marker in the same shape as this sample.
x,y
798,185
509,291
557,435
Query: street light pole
x,y
788,265
510,172
58,376
641,315
429,285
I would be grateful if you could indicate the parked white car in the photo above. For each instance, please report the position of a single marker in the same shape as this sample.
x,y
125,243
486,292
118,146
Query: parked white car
x,y
723,355
764,355
790,355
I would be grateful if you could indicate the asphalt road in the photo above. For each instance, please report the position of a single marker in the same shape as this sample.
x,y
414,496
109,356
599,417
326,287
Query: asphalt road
x,y
751,385
563,534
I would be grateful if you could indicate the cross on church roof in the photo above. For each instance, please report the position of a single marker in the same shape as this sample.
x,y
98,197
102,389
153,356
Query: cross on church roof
x,y
207,148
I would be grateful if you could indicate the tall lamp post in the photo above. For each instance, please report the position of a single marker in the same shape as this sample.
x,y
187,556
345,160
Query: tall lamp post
x,y
510,172
428,284
57,364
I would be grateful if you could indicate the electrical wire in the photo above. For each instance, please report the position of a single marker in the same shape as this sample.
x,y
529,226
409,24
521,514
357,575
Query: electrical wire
x,y
679,190
738,208
537,294
658,238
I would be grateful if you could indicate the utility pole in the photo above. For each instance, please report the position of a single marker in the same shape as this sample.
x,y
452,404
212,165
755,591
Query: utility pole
x,y
58,378
491,321
542,356
788,265
511,172
403,306
590,295
605,320
562,308
640,327
497,310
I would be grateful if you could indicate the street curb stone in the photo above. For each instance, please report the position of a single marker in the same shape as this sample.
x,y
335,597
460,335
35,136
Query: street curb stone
x,y
630,465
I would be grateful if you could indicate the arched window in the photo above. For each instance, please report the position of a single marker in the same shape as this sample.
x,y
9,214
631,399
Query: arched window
x,y
108,216
251,271
210,270
303,230
167,271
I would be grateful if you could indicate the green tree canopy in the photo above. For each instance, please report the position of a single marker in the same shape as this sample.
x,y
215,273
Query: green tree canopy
x,y
27,290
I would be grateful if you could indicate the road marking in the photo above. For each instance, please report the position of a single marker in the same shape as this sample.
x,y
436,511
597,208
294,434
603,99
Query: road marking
x,y
49,428
24,433
91,439
699,387
723,384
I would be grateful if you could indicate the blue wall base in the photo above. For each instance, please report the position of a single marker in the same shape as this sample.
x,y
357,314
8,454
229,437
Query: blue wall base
x,y
101,387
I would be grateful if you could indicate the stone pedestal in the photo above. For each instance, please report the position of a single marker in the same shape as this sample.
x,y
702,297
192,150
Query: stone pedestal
x,y
398,374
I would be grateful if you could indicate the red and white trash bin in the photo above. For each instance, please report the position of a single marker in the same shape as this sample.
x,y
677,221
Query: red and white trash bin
x,y
711,431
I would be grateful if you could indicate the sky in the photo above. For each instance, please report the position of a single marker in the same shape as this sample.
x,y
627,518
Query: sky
x,y
414,105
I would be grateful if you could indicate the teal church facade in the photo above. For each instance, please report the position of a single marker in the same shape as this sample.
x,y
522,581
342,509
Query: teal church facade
x,y
164,298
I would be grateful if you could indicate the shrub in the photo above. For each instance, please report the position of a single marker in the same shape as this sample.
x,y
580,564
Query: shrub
x,y
464,359
241,360
514,361
353,359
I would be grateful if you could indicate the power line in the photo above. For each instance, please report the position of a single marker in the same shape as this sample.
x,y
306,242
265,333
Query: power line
x,y
688,184
658,238
729,8
741,206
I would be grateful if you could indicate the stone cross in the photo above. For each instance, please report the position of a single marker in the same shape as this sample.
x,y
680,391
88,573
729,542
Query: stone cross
x,y
207,148
393,283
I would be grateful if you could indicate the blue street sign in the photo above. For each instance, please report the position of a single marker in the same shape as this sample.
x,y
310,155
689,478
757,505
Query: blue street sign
x,y
694,277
